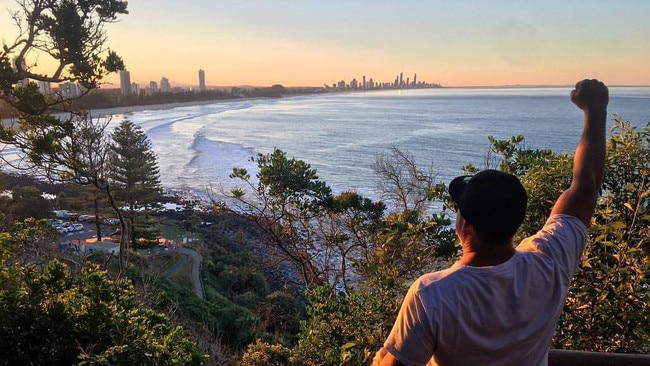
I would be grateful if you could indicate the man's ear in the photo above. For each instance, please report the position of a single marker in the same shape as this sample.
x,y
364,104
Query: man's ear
x,y
463,228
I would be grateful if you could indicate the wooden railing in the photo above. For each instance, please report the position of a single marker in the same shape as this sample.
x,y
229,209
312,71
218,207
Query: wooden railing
x,y
580,358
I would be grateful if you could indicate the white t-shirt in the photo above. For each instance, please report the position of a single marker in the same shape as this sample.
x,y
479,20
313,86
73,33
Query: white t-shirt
x,y
499,315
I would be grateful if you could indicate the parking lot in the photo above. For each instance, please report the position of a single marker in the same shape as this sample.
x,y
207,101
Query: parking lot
x,y
81,230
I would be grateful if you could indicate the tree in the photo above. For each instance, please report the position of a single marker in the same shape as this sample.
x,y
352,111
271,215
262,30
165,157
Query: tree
x,y
68,147
286,206
135,178
402,182
70,35
27,201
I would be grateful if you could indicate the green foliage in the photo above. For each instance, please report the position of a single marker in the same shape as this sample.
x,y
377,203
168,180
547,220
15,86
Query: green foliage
x,y
234,278
345,328
608,304
287,207
135,179
516,158
49,317
235,324
290,181
70,35
233,273
27,201
264,354
406,247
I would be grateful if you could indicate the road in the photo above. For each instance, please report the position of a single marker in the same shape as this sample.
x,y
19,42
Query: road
x,y
196,268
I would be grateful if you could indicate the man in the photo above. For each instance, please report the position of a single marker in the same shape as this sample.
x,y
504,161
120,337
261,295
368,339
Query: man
x,y
499,305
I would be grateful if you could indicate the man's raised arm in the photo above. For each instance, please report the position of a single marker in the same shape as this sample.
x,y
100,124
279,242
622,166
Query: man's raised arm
x,y
579,200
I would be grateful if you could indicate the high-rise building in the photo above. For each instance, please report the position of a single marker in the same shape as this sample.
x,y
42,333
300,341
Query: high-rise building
x,y
69,90
125,82
201,80
45,87
164,85
153,86
135,89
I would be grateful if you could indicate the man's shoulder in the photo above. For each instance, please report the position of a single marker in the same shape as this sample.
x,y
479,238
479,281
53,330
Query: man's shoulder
x,y
437,278
557,226
565,220
563,238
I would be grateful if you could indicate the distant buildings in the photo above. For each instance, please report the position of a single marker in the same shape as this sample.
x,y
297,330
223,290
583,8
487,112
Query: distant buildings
x,y
164,85
69,90
201,80
364,82
125,82
45,87
369,84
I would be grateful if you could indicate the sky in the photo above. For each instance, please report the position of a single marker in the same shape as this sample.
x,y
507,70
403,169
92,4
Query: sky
x,y
311,43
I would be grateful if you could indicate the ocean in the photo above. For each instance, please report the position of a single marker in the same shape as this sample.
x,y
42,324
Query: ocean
x,y
341,134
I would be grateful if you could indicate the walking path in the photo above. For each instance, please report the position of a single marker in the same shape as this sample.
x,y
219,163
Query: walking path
x,y
196,268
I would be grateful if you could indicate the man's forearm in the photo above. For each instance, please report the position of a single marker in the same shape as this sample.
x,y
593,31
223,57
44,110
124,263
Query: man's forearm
x,y
589,159
592,96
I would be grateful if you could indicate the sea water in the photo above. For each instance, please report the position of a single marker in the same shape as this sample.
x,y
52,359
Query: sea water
x,y
341,134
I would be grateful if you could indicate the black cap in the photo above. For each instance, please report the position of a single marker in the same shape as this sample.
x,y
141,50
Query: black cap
x,y
492,201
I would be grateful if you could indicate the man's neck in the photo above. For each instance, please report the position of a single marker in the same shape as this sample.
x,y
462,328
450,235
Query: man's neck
x,y
486,255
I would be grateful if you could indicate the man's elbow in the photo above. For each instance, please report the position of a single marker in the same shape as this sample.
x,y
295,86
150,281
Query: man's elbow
x,y
385,358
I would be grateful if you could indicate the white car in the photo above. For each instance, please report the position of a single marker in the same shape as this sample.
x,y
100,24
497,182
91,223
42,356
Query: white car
x,y
76,227
113,222
86,218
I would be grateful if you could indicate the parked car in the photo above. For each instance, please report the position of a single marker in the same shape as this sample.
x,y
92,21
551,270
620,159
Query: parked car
x,y
61,229
112,221
77,227
86,218
62,214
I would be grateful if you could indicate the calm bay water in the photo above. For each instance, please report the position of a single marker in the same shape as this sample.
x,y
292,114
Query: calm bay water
x,y
341,134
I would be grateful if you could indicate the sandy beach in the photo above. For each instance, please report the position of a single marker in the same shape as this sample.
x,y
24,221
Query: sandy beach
x,y
7,119
107,112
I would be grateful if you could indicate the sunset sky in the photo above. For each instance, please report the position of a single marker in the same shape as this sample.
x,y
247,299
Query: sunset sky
x,y
311,43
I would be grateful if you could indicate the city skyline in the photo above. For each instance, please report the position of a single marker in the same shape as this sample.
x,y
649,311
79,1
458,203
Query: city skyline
x,y
400,82
459,43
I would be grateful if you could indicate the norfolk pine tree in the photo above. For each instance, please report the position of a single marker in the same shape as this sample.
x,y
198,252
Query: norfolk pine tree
x,y
135,178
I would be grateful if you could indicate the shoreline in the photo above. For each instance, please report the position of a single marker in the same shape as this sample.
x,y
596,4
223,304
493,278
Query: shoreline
x,y
108,112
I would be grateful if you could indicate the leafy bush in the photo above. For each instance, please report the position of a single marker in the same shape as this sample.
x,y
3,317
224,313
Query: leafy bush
x,y
49,317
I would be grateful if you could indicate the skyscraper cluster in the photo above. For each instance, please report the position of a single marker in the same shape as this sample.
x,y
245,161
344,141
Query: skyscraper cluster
x,y
129,88
398,83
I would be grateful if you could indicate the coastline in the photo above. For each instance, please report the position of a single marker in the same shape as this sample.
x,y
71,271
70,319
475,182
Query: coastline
x,y
108,112
7,120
